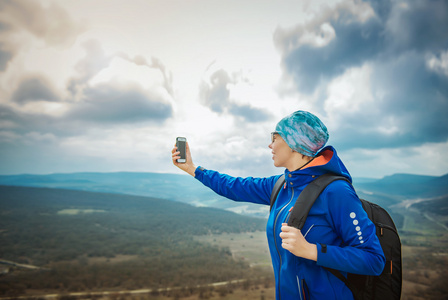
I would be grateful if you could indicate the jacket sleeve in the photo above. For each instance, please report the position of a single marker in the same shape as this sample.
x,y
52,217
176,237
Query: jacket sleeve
x,y
255,190
361,252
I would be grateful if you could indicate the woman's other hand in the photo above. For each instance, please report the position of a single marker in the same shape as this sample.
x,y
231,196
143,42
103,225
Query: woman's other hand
x,y
294,241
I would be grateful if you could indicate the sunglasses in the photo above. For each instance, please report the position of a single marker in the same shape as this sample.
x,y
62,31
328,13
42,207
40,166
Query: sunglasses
x,y
273,136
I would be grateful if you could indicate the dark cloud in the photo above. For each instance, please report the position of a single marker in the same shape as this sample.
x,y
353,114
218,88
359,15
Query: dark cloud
x,y
410,98
105,103
418,26
102,105
22,122
34,88
156,64
113,104
309,65
7,114
5,57
215,94
93,62
407,115
50,24
354,43
249,113
416,99
409,26
4,26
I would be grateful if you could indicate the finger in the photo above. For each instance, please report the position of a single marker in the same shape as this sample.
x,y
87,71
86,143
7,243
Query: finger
x,y
175,155
286,246
286,235
285,227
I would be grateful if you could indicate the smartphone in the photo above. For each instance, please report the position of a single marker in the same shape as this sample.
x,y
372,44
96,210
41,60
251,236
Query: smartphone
x,y
181,144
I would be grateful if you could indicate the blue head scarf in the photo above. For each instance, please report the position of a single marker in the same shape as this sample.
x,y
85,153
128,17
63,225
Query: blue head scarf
x,y
303,132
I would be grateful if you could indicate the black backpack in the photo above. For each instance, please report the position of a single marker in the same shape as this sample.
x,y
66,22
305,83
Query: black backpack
x,y
383,287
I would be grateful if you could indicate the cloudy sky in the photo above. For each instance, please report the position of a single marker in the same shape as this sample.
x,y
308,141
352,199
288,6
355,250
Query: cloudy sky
x,y
107,85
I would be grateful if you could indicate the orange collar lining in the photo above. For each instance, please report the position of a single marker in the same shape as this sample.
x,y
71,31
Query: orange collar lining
x,y
322,159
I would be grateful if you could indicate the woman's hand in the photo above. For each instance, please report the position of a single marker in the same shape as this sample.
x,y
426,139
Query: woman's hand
x,y
188,166
294,241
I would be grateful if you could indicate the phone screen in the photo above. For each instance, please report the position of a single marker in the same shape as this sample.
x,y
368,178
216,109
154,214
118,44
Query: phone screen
x,y
181,147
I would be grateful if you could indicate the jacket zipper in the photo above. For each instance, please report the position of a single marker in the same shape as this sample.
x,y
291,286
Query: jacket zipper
x,y
297,277
300,288
275,242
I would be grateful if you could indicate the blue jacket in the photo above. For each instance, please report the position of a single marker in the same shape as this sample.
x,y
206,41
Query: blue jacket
x,y
337,224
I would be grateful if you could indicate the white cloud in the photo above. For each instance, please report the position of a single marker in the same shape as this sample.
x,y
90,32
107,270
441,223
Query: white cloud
x,y
376,163
349,93
8,136
320,38
50,23
316,29
125,73
362,11
44,108
33,137
438,64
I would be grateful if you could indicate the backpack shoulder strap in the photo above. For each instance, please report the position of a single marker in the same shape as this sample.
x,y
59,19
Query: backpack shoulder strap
x,y
277,187
307,198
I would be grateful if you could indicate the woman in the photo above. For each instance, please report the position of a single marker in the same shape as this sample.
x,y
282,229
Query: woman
x,y
337,233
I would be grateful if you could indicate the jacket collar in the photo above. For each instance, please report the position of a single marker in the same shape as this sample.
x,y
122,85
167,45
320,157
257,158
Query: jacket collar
x,y
314,169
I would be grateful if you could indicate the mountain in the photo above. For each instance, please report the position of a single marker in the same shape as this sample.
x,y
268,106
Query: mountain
x,y
48,201
407,186
364,180
183,188
34,214
407,178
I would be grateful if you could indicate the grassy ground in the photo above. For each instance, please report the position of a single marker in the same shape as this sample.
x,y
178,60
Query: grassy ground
x,y
250,247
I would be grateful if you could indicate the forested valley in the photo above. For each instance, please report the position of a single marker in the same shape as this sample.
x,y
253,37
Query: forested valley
x,y
83,241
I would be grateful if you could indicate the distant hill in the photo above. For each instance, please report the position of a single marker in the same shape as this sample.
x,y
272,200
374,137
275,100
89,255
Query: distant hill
x,y
364,180
183,188
407,178
35,216
408,186
31,202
